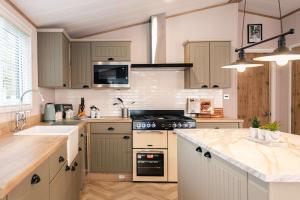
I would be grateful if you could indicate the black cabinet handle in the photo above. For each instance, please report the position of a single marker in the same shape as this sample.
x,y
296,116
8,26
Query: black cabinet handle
x,y
204,86
110,129
217,127
207,155
73,168
79,149
149,145
75,164
35,179
64,85
61,159
215,86
110,59
67,168
199,149
85,86
126,137
81,135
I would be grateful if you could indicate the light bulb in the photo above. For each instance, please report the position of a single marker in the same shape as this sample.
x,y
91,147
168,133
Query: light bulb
x,y
241,68
282,61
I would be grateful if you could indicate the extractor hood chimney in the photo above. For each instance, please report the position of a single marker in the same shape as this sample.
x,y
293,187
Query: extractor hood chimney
x,y
158,48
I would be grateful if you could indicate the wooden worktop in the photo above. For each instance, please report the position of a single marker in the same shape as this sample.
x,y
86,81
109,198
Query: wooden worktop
x,y
21,155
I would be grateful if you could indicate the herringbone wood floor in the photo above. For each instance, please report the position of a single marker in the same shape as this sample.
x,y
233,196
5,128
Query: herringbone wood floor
x,y
99,190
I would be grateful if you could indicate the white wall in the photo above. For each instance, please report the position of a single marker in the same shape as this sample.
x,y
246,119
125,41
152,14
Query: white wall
x,y
293,21
164,90
10,14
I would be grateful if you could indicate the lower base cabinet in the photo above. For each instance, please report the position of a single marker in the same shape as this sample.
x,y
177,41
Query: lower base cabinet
x,y
73,180
207,177
58,186
33,187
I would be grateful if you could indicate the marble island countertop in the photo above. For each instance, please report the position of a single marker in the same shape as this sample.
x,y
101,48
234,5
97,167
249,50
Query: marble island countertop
x,y
270,164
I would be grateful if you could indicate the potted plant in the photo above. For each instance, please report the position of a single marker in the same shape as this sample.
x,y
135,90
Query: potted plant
x,y
272,133
255,124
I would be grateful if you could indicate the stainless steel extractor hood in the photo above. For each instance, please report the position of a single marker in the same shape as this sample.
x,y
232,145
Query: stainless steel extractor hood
x,y
158,48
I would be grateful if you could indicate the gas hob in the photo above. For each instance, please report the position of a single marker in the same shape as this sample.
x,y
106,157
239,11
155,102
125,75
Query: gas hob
x,y
160,120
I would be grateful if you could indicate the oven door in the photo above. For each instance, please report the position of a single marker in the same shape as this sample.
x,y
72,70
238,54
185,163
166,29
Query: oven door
x,y
111,74
150,165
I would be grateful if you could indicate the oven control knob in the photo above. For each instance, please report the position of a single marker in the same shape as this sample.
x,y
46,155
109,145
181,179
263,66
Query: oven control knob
x,y
143,125
138,125
153,125
179,125
174,125
148,125
185,125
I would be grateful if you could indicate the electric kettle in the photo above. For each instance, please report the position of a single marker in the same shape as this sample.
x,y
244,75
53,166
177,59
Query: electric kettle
x,y
49,112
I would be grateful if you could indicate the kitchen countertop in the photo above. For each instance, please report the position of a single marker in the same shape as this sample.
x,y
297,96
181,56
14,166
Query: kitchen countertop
x,y
270,164
219,120
21,155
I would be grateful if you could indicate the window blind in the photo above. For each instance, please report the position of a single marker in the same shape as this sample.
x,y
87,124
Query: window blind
x,y
15,64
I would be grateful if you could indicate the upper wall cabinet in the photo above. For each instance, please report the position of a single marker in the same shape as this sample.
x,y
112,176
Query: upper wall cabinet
x,y
208,58
81,65
111,51
53,60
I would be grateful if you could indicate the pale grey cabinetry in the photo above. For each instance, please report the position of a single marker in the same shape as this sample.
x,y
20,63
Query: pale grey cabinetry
x,y
207,58
219,125
81,65
33,187
111,147
220,54
111,51
198,54
53,60
202,175
59,189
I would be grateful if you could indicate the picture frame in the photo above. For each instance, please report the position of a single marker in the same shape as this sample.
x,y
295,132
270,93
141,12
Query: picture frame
x,y
255,33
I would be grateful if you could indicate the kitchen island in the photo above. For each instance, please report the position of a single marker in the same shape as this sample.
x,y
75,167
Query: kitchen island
x,y
224,165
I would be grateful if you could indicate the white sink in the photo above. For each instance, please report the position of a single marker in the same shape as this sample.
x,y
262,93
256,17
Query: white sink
x,y
70,131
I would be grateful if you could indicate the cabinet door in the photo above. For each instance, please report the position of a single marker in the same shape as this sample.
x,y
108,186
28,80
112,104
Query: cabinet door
x,y
220,172
74,180
33,187
111,51
216,125
53,60
111,153
58,186
81,66
220,54
198,54
172,156
81,163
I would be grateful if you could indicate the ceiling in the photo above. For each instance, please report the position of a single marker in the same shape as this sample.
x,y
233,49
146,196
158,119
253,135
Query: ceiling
x,y
270,7
83,17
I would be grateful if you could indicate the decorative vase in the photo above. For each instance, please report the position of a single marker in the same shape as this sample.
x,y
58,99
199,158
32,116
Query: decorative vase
x,y
253,132
272,136
261,134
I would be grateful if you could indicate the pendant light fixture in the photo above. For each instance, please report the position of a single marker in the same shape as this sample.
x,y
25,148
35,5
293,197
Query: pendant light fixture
x,y
241,64
282,55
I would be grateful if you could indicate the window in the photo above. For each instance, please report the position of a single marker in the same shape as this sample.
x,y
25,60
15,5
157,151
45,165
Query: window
x,y
15,64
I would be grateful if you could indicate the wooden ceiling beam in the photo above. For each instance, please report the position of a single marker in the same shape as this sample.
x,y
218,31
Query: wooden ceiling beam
x,y
259,14
20,12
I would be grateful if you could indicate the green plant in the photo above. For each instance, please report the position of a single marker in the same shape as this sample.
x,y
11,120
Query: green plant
x,y
274,126
255,123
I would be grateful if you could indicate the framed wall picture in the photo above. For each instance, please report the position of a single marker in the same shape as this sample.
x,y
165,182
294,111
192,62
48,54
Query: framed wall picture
x,y
255,33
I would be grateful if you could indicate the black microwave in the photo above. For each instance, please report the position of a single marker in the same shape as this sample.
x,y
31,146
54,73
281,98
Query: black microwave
x,y
111,74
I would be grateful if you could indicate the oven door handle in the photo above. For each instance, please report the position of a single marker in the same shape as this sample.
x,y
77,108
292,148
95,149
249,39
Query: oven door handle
x,y
159,132
150,151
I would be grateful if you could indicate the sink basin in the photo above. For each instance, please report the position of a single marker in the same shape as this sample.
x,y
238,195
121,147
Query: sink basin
x,y
75,122
70,131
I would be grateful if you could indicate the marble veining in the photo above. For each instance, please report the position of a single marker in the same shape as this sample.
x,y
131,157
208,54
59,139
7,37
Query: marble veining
x,y
270,164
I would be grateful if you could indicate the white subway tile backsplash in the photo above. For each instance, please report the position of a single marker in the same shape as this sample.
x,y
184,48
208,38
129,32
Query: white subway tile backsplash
x,y
149,89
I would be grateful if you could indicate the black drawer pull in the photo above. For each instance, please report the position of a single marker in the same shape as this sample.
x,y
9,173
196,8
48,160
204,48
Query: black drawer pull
x,y
75,164
217,127
204,86
111,129
67,168
215,86
61,159
73,168
110,59
199,149
149,145
126,137
79,149
85,86
64,85
35,179
81,135
207,155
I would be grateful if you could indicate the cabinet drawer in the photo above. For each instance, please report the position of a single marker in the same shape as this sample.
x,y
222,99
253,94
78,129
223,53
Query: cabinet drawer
x,y
150,139
33,187
218,125
111,128
57,160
